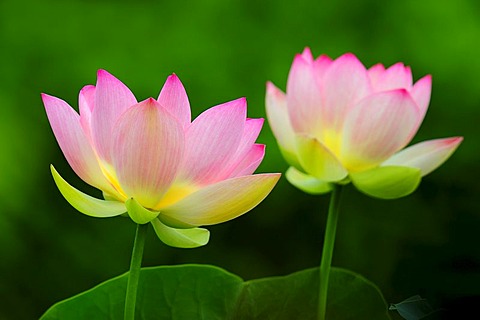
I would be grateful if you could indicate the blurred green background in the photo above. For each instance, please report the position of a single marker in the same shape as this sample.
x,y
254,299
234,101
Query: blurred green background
x,y
426,243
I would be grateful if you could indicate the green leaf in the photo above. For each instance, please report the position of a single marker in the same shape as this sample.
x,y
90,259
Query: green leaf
x,y
307,183
181,238
208,292
389,182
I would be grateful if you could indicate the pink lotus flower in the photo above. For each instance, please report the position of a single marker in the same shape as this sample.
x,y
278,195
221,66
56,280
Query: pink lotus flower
x,y
151,161
340,122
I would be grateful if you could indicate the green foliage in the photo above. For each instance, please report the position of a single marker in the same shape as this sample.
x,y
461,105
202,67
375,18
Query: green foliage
x,y
207,292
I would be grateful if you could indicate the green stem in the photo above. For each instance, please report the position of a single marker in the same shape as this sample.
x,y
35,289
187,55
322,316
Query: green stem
x,y
134,274
327,252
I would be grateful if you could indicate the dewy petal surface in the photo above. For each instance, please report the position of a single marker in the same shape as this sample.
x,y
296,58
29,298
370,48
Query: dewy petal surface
x,y
112,98
318,160
377,127
173,97
221,201
74,143
86,204
148,147
426,156
211,141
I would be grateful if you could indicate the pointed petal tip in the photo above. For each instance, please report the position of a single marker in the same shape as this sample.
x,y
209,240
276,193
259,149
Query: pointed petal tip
x,y
307,54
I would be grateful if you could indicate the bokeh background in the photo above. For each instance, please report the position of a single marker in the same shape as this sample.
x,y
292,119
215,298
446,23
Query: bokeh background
x,y
426,243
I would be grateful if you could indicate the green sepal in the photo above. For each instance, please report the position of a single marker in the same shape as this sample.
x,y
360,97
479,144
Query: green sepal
x,y
138,213
84,203
389,182
307,183
181,238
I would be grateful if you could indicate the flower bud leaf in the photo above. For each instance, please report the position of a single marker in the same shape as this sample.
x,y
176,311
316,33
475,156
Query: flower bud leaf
x,y
389,182
307,183
138,213
86,204
181,238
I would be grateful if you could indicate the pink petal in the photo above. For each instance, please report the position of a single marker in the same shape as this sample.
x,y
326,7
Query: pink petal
x,y
421,93
375,73
321,64
426,156
86,103
278,119
112,98
345,82
212,139
174,98
303,97
377,127
250,162
73,141
396,77
307,55
250,134
148,145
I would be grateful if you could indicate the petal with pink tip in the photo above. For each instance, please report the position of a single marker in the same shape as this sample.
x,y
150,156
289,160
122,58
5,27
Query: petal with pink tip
x,y
219,202
307,55
397,76
426,156
173,97
318,160
212,140
278,119
377,127
421,93
74,143
321,64
112,98
345,82
250,134
86,204
375,73
86,103
303,97
148,145
250,162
